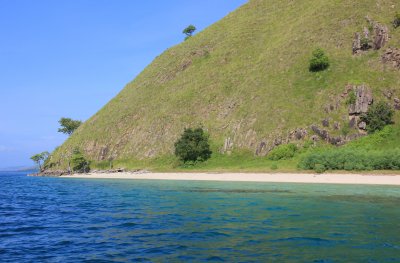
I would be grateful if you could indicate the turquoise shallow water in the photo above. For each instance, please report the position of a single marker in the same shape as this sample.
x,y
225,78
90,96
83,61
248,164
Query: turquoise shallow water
x,y
77,220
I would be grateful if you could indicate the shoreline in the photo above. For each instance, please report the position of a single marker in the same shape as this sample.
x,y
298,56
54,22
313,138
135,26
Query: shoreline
x,y
328,178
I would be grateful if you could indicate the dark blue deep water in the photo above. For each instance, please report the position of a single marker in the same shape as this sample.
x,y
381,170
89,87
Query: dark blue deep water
x,y
77,220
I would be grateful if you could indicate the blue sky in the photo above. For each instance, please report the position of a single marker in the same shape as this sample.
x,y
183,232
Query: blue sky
x,y
69,58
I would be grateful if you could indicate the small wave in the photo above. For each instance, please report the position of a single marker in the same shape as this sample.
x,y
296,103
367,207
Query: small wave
x,y
129,224
215,258
209,234
276,208
64,243
390,245
141,260
28,229
299,239
238,191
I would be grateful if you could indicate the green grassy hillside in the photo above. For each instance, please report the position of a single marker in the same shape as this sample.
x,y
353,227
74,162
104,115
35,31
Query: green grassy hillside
x,y
245,78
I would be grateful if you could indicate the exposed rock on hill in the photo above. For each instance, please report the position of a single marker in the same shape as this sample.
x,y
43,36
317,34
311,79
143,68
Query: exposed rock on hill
x,y
397,104
363,100
381,35
376,40
392,57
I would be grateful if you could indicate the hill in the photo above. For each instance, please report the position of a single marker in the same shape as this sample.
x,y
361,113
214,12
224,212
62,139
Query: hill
x,y
246,80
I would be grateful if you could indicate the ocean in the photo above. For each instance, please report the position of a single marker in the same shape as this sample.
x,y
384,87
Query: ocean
x,y
86,220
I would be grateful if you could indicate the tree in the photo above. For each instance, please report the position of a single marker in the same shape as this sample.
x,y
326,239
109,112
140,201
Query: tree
x,y
365,43
319,61
68,126
189,31
193,146
79,162
378,116
39,158
396,22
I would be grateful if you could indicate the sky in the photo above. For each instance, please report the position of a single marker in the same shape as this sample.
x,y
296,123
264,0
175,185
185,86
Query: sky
x,y
68,58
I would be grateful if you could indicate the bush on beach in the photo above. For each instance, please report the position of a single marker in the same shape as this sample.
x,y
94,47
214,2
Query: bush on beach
x,y
283,152
351,160
79,162
193,146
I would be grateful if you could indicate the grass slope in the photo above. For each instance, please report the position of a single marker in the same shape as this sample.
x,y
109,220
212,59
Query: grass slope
x,y
245,77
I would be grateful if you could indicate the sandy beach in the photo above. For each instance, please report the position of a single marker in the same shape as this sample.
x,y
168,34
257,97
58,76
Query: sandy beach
x,y
375,179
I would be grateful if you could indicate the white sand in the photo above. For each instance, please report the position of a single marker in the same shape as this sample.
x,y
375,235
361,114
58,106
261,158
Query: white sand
x,y
375,179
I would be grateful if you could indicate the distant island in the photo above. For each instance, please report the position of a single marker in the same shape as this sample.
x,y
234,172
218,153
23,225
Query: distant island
x,y
19,169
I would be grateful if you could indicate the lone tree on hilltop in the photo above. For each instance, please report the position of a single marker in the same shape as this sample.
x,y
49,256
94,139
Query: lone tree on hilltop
x,y
39,158
193,146
68,126
189,31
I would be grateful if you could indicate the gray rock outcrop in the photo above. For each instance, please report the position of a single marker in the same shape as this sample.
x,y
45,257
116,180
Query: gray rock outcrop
x,y
357,43
363,100
367,40
397,104
392,57
228,146
381,36
362,125
323,134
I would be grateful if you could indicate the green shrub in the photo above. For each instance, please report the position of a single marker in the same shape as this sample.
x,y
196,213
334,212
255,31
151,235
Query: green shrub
x,y
378,116
188,31
351,160
79,163
365,43
308,144
274,166
396,21
193,146
319,61
345,129
351,99
284,151
319,168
